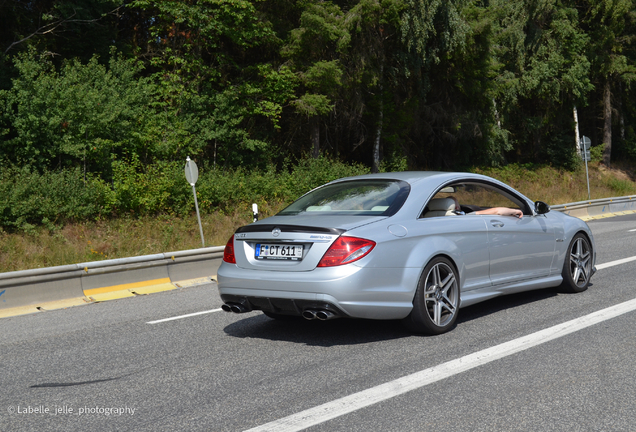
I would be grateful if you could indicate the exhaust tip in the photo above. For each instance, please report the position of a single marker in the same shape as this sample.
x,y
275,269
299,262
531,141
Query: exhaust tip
x,y
237,308
324,315
309,314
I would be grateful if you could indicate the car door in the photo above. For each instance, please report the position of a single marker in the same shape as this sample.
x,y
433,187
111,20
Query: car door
x,y
465,237
519,248
515,249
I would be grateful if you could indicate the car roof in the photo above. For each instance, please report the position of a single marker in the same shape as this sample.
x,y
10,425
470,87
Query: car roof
x,y
415,176
429,181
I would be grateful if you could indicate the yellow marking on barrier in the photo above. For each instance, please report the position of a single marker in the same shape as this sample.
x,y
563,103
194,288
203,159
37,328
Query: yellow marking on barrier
x,y
153,289
107,293
21,310
42,307
607,215
113,295
197,281
128,286
63,304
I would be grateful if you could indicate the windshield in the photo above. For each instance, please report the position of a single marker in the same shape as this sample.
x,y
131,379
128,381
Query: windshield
x,y
355,197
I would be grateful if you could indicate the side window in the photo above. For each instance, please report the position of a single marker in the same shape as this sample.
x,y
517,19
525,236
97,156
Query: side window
x,y
486,196
473,197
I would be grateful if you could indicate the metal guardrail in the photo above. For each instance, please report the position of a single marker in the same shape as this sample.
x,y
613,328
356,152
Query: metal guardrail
x,y
9,278
598,206
29,287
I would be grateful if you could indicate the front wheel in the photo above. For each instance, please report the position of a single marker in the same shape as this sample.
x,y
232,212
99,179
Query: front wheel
x,y
436,301
577,268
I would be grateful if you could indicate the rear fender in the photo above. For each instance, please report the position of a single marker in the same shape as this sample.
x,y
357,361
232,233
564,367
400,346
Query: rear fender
x,y
435,246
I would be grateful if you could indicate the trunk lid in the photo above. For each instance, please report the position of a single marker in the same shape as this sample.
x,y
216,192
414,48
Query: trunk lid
x,y
291,243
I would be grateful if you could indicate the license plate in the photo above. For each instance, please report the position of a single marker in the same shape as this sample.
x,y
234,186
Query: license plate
x,y
279,251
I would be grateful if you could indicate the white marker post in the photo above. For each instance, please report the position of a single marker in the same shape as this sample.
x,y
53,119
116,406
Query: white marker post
x,y
192,175
254,212
585,154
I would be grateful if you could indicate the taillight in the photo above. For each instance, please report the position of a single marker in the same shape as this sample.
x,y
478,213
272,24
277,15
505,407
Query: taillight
x,y
346,250
228,253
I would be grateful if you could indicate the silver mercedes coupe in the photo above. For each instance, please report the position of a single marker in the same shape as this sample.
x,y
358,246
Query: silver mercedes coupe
x,y
415,246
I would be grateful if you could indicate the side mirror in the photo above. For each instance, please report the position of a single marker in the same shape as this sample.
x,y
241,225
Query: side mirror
x,y
541,208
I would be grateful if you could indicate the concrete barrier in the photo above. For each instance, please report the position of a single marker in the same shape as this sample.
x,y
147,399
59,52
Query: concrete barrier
x,y
41,285
88,281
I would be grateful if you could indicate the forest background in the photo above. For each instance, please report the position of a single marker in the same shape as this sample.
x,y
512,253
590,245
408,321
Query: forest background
x,y
101,101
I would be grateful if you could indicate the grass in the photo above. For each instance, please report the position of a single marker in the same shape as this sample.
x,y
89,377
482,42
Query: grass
x,y
556,186
120,238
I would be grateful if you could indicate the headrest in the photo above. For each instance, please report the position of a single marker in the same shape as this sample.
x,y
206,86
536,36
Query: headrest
x,y
441,204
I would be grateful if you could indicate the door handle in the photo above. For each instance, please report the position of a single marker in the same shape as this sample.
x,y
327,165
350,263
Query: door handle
x,y
496,223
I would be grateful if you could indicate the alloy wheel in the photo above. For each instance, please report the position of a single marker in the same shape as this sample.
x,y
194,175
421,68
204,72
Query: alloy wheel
x,y
441,294
580,262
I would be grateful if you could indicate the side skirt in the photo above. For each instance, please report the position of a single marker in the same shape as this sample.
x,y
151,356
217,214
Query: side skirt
x,y
475,296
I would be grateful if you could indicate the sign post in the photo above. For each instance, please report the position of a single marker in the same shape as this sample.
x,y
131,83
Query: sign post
x,y
585,154
192,175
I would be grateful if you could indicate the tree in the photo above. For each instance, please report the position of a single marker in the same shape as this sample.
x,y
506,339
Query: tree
x,y
77,116
374,46
449,64
314,50
538,71
222,99
610,25
78,27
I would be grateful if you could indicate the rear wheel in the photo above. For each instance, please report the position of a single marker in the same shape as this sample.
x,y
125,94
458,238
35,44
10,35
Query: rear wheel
x,y
577,268
436,301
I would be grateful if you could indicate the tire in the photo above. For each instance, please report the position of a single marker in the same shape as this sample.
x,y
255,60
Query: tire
x,y
577,266
436,301
281,317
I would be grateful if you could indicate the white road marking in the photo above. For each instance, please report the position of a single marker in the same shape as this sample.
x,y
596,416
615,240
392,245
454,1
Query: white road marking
x,y
614,263
365,398
382,392
632,230
183,316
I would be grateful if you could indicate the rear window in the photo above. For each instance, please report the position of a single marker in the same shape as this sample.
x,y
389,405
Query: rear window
x,y
355,197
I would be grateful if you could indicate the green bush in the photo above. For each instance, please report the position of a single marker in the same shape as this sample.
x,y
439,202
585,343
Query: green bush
x,y
596,153
224,189
620,187
150,189
49,198
31,198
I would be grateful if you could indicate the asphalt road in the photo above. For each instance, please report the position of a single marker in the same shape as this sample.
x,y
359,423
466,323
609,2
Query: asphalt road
x,y
103,367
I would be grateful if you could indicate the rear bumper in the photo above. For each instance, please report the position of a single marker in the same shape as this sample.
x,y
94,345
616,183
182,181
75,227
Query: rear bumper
x,y
348,291
282,306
